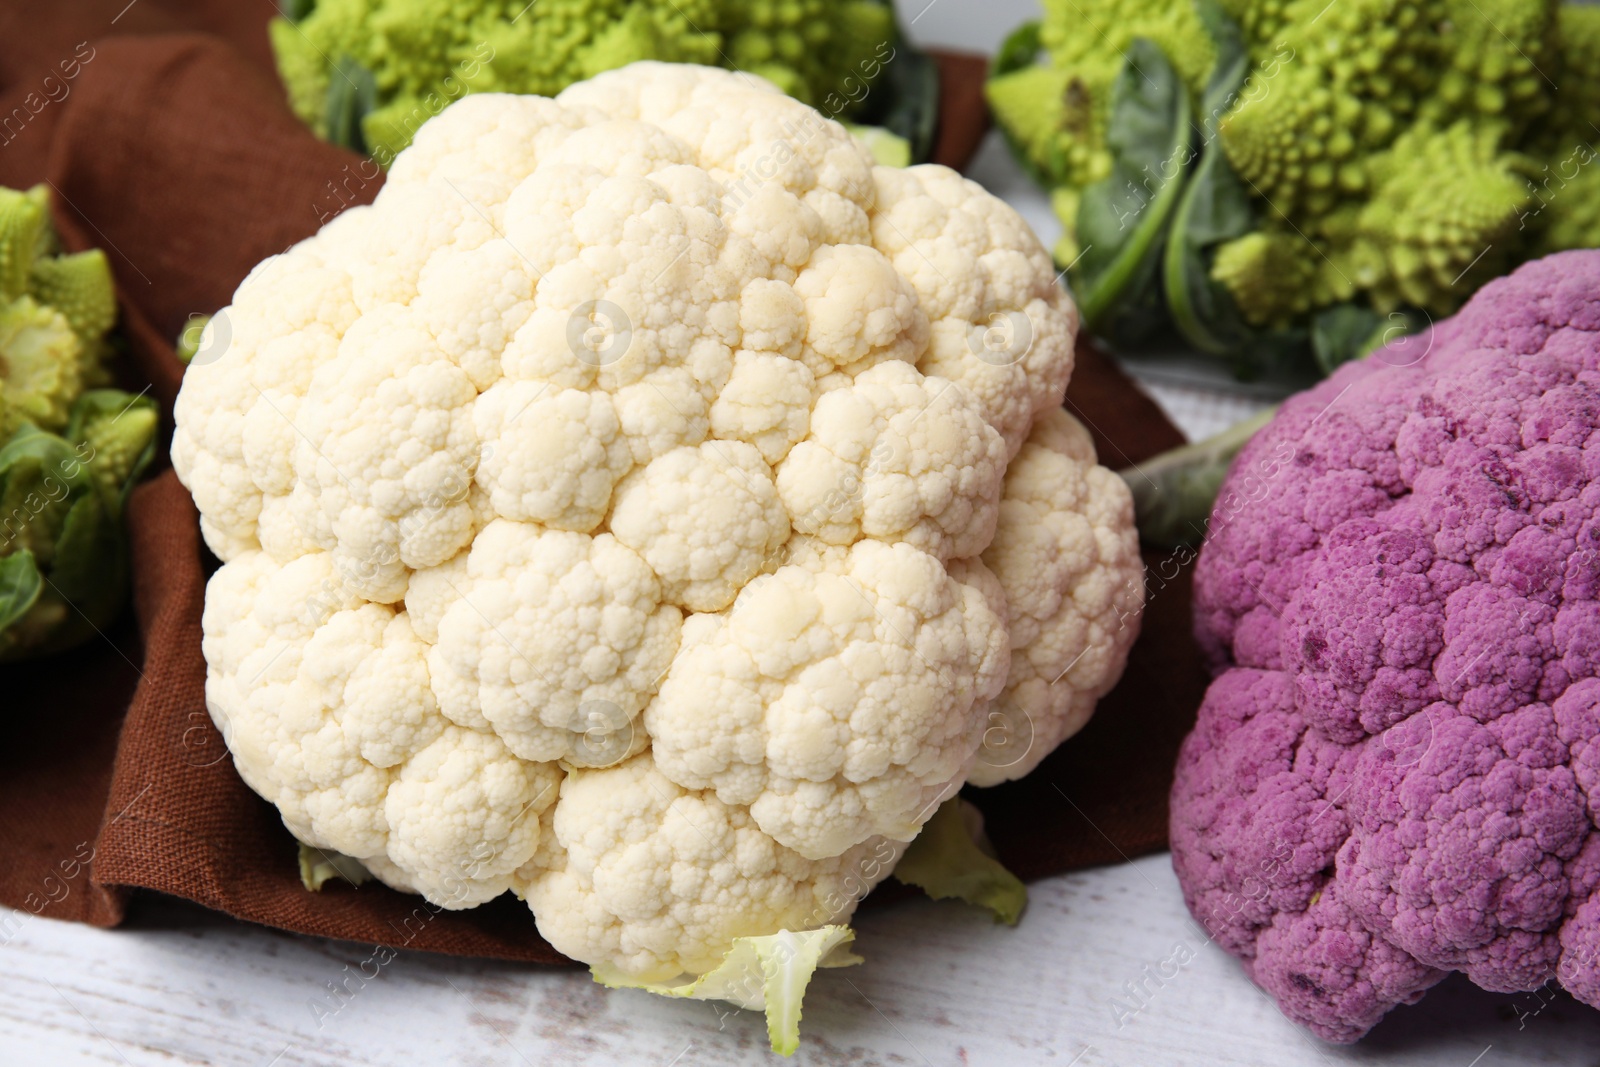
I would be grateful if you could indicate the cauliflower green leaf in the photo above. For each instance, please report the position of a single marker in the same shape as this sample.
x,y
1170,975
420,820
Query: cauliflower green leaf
x,y
768,973
951,857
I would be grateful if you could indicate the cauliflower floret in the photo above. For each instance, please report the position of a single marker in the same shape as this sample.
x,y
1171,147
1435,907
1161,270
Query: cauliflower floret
x,y
895,456
1066,556
556,639
326,705
706,519
658,879
836,704
654,441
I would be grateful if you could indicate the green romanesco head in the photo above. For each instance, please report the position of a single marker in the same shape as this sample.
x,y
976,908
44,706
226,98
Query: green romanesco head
x,y
1074,30
1261,21
41,365
814,50
113,432
424,54
1058,112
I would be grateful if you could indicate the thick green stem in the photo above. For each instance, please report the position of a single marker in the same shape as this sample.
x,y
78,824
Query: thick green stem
x,y
1173,494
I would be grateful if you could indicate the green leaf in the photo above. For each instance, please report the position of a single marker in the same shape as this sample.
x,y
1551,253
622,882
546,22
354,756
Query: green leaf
x,y
319,865
90,569
1347,332
352,95
1173,494
1123,219
768,973
1215,207
1342,333
906,99
949,859
50,452
20,585
1020,49
296,10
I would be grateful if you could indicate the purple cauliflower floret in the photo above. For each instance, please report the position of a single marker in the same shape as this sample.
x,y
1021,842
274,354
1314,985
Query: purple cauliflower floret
x,y
1396,769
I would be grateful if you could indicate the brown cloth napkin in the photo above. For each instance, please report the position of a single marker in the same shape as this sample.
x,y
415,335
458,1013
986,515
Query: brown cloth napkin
x,y
163,131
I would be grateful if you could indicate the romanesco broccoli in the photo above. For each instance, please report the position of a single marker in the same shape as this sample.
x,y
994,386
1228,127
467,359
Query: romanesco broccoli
x,y
422,54
67,456
1390,153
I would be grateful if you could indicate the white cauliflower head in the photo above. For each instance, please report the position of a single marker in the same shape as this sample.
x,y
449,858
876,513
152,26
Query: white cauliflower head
x,y
635,507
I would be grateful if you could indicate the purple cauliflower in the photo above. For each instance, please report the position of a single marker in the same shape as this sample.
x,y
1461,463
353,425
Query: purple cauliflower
x,y
1396,770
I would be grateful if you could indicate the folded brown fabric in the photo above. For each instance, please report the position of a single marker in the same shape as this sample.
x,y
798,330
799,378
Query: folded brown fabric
x,y
175,152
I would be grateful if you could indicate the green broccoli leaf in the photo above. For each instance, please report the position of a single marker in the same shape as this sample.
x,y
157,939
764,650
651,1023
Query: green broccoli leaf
x,y
1122,220
1020,49
20,585
950,858
319,865
905,100
352,95
768,973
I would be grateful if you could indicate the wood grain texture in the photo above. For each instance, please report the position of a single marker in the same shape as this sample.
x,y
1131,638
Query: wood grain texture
x,y
942,986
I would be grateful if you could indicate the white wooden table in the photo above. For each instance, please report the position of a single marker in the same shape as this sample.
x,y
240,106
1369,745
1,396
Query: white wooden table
x,y
942,985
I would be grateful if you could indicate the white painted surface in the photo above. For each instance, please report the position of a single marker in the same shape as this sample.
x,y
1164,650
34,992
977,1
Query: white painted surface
x,y
942,986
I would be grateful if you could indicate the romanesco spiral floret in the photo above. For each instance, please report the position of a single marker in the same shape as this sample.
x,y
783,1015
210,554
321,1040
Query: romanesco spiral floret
x,y
1398,138
1268,273
1442,202
1058,117
79,286
41,369
1289,144
1565,212
806,47
54,313
1496,52
1260,20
